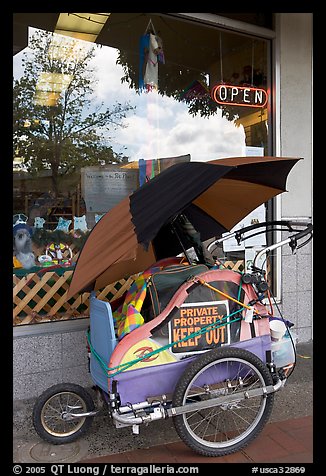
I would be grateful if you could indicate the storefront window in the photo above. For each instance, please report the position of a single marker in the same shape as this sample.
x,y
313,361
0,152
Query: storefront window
x,y
92,118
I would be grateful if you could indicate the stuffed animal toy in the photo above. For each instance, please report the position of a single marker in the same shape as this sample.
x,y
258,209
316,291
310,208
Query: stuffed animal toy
x,y
98,217
80,223
39,222
63,224
55,252
19,218
23,254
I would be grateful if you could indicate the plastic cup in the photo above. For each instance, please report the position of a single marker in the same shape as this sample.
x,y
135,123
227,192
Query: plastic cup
x,y
278,329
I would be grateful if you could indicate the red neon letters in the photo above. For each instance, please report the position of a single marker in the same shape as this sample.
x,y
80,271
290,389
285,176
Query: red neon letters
x,y
239,95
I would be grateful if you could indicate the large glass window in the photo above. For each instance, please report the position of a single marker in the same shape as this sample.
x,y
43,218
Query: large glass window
x,y
92,118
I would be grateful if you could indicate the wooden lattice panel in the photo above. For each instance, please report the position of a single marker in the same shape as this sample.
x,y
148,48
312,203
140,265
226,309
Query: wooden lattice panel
x,y
43,297
235,265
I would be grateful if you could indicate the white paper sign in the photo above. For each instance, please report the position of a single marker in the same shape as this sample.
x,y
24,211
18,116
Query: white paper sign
x,y
249,315
104,187
256,216
250,254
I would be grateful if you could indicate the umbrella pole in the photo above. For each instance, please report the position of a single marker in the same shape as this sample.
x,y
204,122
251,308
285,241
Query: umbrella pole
x,y
175,231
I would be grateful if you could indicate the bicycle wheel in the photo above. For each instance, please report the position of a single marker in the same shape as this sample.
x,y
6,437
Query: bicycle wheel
x,y
228,427
51,410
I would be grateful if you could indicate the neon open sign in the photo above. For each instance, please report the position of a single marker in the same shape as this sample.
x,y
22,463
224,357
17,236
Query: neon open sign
x,y
239,95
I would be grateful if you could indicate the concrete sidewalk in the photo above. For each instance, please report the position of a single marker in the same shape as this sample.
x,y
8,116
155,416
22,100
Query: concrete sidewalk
x,y
288,441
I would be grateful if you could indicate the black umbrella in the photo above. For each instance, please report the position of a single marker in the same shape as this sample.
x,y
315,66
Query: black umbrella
x,y
213,196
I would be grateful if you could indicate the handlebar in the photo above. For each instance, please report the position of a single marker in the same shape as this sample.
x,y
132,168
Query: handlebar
x,y
238,234
291,240
257,275
273,225
305,232
290,226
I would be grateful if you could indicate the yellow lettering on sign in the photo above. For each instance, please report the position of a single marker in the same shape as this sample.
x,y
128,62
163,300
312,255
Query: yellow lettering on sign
x,y
195,317
181,333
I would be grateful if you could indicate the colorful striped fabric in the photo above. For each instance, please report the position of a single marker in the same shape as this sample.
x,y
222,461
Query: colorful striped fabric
x,y
128,317
148,169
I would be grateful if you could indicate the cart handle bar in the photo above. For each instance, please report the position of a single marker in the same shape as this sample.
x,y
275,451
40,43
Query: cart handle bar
x,y
291,240
238,234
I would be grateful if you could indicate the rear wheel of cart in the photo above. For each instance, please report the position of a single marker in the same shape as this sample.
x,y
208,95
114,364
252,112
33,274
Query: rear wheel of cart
x,y
229,426
53,409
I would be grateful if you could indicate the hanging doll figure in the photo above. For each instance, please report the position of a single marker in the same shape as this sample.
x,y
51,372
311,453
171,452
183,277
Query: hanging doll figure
x,y
151,53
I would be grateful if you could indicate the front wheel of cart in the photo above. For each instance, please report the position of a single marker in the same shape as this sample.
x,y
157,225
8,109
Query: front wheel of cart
x,y
53,413
229,426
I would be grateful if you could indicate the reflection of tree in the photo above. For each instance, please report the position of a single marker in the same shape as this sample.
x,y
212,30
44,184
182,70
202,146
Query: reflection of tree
x,y
56,124
198,99
174,81
182,84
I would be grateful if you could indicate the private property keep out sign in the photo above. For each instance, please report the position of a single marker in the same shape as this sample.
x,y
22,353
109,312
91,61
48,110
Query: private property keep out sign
x,y
193,317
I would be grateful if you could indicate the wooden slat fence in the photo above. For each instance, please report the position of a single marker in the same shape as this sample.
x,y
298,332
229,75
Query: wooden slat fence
x,y
42,297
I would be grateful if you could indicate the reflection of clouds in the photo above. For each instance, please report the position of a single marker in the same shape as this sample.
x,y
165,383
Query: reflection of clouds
x,y
162,108
161,126
203,138
108,73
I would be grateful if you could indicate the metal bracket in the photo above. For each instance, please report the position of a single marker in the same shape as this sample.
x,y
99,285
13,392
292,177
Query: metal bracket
x,y
222,400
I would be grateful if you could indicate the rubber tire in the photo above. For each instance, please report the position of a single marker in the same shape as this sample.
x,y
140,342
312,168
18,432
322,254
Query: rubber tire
x,y
190,373
42,400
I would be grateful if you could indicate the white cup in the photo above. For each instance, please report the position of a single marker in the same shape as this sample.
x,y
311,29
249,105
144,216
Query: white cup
x,y
278,329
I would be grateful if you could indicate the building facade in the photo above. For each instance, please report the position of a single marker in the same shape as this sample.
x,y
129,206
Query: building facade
x,y
272,52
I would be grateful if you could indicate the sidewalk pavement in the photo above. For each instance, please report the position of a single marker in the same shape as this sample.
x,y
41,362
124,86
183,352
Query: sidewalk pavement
x,y
287,441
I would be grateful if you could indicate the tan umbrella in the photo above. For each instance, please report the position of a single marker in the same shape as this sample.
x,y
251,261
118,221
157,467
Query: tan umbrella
x,y
214,196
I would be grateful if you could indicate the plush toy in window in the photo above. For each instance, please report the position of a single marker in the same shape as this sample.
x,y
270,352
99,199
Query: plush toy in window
x,y
56,253
39,222
22,247
80,223
98,217
63,225
151,54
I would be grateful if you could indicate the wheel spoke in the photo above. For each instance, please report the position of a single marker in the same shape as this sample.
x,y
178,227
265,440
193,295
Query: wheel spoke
x,y
228,426
55,410
53,418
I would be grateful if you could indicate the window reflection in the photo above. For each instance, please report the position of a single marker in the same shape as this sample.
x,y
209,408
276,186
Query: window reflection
x,y
139,90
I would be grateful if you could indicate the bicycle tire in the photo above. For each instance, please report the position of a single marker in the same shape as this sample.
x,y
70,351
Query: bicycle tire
x,y
49,410
224,436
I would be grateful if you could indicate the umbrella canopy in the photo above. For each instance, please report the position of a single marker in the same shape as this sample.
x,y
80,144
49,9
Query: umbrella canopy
x,y
214,196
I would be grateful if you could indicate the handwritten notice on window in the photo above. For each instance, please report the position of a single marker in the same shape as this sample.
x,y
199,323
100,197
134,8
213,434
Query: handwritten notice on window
x,y
103,187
